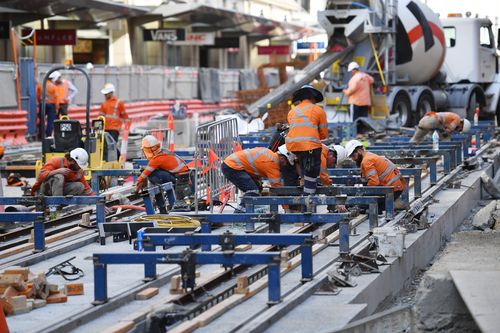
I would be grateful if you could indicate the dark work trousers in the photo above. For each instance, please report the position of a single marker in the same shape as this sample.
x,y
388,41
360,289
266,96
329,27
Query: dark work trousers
x,y
183,184
242,180
357,112
63,110
115,135
310,165
381,201
50,114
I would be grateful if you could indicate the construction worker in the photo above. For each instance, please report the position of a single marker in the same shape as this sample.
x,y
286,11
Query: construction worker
x,y
164,167
331,156
51,104
379,171
358,91
246,168
444,122
113,109
66,91
64,175
308,126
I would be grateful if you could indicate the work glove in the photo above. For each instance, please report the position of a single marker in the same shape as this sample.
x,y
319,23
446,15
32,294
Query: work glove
x,y
140,186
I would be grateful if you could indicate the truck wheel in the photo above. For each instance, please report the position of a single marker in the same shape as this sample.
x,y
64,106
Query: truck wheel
x,y
471,107
425,104
498,113
402,107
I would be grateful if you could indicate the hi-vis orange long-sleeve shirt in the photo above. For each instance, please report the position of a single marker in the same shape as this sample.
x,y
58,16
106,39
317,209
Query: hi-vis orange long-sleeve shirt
x,y
114,111
165,161
379,171
448,120
358,89
308,126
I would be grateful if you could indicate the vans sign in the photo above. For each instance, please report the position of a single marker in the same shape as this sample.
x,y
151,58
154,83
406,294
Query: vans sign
x,y
164,35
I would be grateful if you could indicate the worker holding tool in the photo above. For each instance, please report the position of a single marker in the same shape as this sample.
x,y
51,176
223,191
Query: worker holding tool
x,y
113,109
308,126
66,91
246,168
444,122
379,171
358,91
164,167
62,176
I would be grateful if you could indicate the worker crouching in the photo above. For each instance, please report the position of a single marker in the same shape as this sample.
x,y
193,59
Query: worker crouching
x,y
444,122
62,176
246,168
331,157
378,171
164,167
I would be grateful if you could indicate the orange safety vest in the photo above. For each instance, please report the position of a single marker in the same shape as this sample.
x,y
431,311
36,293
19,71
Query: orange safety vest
x,y
61,162
62,92
379,171
323,174
114,112
308,126
259,162
449,120
165,161
51,94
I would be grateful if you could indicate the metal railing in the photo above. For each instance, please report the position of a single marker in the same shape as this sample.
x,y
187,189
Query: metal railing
x,y
214,142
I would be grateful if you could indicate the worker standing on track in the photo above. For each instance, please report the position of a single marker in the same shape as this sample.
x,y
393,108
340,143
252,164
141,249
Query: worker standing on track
x,y
379,171
246,168
66,91
445,122
62,176
164,167
308,126
113,109
358,91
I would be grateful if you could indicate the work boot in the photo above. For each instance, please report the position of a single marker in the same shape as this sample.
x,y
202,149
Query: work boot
x,y
181,206
400,205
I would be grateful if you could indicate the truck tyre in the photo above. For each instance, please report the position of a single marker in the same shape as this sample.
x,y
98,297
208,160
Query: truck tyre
x,y
498,113
402,107
471,106
425,104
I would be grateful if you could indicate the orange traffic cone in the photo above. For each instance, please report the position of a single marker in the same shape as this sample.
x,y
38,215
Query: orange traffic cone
x,y
3,322
170,122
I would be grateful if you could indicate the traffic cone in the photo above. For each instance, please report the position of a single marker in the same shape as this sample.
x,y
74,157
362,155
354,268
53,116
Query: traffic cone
x,y
124,146
170,122
3,322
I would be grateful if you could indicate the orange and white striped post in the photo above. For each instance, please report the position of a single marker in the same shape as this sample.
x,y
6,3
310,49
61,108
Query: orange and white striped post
x,y
170,123
124,146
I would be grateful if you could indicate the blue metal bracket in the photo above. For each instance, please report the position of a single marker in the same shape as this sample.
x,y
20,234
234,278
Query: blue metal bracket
x,y
158,194
112,173
448,155
150,260
455,146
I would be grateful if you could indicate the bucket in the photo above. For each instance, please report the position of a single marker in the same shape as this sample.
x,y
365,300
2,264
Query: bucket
x,y
390,240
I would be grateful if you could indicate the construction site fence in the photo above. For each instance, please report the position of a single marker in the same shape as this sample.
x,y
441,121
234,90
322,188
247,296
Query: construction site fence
x,y
142,83
214,142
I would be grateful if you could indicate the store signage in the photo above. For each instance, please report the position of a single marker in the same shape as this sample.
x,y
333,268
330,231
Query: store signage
x,y
164,35
273,49
4,30
52,37
196,38
310,45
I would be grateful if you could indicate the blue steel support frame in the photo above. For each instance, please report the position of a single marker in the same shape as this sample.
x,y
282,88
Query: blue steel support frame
x,y
158,193
110,172
168,239
102,260
430,161
448,155
28,95
456,147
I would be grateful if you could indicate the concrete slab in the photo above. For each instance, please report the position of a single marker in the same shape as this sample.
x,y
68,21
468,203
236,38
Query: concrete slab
x,y
480,291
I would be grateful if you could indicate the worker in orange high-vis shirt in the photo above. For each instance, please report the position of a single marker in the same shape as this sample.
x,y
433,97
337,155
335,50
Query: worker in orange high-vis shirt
x,y
308,126
379,171
358,91
51,104
64,175
113,109
246,168
66,91
164,167
444,122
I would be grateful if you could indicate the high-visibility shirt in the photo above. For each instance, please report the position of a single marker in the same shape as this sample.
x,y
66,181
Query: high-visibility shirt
x,y
165,161
358,89
51,93
113,110
448,120
308,126
61,162
323,174
259,162
379,171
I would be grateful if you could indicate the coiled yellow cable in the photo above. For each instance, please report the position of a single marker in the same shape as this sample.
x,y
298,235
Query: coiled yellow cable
x,y
170,221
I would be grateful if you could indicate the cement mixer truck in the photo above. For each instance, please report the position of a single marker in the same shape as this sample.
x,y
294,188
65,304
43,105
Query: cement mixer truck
x,y
420,62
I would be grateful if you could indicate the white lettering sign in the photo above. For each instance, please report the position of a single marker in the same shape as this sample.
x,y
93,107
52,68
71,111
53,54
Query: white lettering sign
x,y
164,35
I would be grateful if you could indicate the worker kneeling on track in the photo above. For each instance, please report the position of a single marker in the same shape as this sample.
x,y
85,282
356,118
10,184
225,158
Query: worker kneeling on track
x,y
379,171
331,156
444,122
246,168
164,167
62,176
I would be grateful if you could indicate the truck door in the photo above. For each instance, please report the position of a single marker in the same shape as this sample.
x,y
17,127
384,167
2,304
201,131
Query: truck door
x,y
487,58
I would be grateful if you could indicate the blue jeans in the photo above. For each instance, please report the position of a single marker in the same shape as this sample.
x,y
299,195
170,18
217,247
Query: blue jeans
x,y
50,113
242,180
160,176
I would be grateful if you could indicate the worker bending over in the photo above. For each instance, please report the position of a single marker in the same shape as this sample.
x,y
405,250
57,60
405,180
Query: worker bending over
x,y
164,167
113,109
246,168
358,91
308,126
66,91
62,176
378,171
446,122
331,156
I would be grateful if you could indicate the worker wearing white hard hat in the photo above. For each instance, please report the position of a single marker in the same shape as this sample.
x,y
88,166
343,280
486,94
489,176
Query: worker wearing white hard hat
x,y
113,110
378,171
331,157
165,167
62,176
444,122
358,91
66,91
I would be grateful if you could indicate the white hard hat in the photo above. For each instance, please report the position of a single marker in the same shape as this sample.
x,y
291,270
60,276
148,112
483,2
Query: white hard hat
x,y
54,75
108,88
149,141
353,65
80,156
351,146
466,127
341,152
289,155
89,66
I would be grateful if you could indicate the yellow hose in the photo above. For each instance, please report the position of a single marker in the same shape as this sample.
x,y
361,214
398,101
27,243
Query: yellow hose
x,y
377,60
170,221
